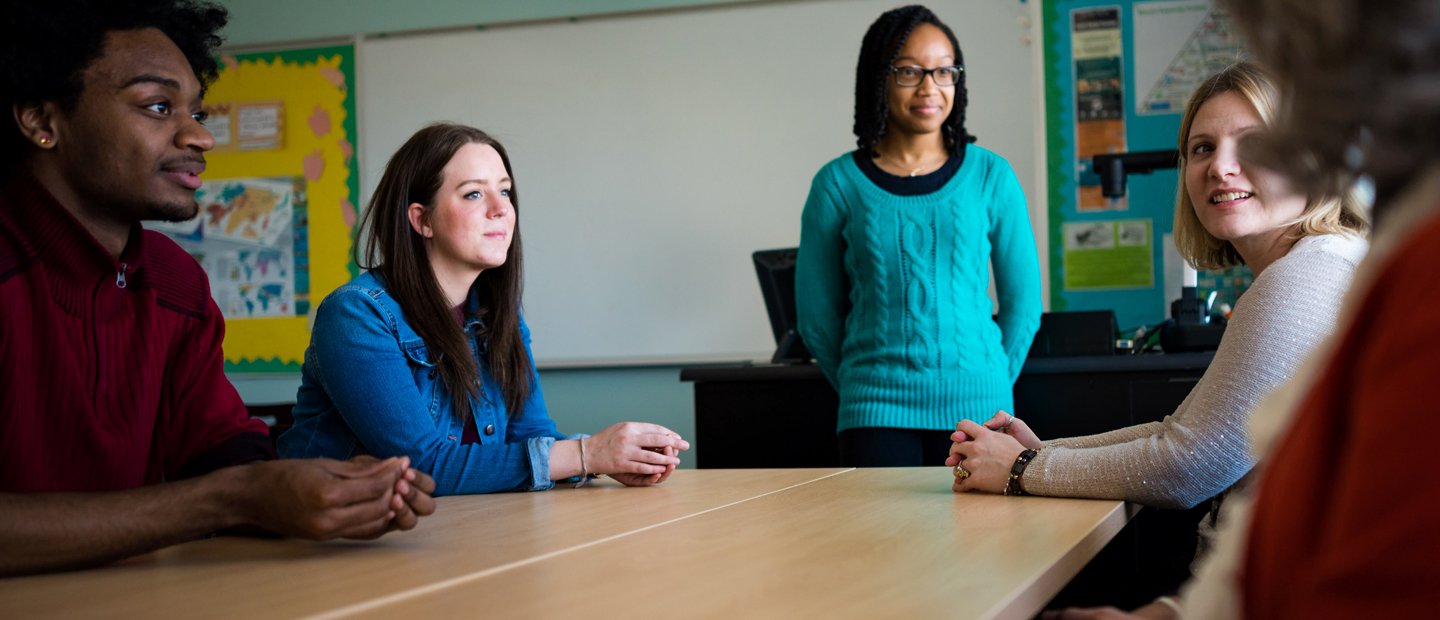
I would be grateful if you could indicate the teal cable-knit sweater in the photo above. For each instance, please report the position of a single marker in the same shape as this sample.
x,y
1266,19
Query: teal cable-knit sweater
x,y
892,293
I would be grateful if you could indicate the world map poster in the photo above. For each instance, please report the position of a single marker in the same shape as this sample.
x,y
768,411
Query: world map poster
x,y
251,236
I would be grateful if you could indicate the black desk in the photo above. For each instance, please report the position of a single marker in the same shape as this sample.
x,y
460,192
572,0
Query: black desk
x,y
1057,397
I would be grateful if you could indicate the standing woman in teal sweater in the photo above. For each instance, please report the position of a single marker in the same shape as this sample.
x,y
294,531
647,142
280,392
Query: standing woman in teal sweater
x,y
896,243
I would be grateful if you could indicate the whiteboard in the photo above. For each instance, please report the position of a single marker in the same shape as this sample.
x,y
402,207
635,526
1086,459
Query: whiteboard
x,y
654,152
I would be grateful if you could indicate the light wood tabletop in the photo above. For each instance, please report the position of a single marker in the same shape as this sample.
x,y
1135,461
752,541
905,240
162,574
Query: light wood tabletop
x,y
707,543
467,537
870,543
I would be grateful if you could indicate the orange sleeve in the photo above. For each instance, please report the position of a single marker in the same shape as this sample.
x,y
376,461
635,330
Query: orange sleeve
x,y
1347,522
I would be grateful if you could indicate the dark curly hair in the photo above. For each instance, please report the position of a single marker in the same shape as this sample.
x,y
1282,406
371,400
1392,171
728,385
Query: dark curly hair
x,y
46,46
877,52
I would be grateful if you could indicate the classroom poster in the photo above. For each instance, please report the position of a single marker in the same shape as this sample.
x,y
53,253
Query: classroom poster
x,y
1108,254
1190,40
252,238
1099,96
277,207
1149,55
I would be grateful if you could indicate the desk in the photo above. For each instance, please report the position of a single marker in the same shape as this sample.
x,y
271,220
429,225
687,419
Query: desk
x,y
1057,396
711,543
245,577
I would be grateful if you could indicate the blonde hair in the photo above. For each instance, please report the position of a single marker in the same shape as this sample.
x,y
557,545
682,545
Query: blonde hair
x,y
1325,212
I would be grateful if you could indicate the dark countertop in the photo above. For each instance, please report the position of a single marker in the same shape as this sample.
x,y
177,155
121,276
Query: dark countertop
x,y
1033,366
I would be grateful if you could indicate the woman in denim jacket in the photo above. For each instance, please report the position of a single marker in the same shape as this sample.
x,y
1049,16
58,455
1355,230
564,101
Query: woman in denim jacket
x,y
427,354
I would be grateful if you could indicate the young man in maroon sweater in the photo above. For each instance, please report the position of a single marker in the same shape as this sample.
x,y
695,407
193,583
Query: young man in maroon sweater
x,y
119,432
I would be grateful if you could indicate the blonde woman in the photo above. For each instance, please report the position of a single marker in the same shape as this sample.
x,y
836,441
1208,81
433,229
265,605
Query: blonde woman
x,y
1303,252
1342,520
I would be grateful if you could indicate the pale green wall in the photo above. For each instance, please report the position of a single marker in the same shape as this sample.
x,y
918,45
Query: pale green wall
x,y
258,22
580,400
587,400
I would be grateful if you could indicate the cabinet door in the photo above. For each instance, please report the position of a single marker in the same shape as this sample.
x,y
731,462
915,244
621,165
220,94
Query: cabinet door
x,y
732,416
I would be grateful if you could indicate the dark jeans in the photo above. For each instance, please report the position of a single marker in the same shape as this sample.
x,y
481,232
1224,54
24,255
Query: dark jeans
x,y
893,447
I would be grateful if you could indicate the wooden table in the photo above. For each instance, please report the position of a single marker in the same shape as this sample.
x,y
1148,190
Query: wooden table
x,y
707,543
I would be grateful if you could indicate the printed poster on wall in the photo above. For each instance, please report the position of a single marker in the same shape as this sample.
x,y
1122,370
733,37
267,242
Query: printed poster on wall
x,y
1108,254
277,207
1188,41
252,238
1099,95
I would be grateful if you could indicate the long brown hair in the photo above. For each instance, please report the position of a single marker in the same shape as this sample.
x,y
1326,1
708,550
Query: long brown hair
x,y
397,253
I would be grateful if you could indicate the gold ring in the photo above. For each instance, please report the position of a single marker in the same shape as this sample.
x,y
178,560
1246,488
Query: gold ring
x,y
961,472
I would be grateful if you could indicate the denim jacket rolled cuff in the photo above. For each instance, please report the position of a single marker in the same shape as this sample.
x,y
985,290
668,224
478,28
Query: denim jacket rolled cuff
x,y
539,450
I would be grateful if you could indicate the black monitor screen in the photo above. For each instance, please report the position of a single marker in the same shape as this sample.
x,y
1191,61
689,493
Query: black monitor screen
x,y
776,270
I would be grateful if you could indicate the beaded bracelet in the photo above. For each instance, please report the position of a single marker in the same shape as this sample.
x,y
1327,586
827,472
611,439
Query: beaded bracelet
x,y
1012,487
584,471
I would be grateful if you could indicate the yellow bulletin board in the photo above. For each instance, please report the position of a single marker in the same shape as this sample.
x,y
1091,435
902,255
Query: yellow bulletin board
x,y
284,164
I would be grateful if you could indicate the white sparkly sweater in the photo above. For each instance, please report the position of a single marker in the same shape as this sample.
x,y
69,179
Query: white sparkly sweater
x,y
1203,448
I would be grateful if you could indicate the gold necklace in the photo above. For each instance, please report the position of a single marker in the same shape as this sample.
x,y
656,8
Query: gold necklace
x,y
913,171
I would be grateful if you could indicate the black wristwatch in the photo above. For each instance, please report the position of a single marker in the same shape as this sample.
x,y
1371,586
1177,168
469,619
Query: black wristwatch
x,y
1018,469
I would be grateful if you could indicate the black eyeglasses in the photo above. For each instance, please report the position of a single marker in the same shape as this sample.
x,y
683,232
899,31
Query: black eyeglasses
x,y
912,75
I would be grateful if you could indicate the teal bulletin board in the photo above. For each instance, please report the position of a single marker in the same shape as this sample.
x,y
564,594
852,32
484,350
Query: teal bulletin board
x,y
1117,76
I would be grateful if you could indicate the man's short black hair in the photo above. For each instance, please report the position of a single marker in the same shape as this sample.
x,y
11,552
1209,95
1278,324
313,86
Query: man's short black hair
x,y
46,45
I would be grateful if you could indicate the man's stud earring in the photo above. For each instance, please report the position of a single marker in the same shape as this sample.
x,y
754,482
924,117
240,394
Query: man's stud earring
x,y
45,139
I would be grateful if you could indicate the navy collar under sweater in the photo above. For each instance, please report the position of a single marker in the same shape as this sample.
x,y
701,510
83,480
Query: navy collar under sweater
x,y
909,186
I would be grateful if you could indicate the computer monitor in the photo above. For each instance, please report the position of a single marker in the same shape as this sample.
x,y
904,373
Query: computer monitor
x,y
776,270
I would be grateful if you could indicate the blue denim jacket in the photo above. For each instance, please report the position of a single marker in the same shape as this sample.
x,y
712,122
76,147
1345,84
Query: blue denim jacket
x,y
369,386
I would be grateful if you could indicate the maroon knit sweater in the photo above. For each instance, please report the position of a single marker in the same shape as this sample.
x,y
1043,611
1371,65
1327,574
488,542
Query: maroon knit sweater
x,y
111,371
